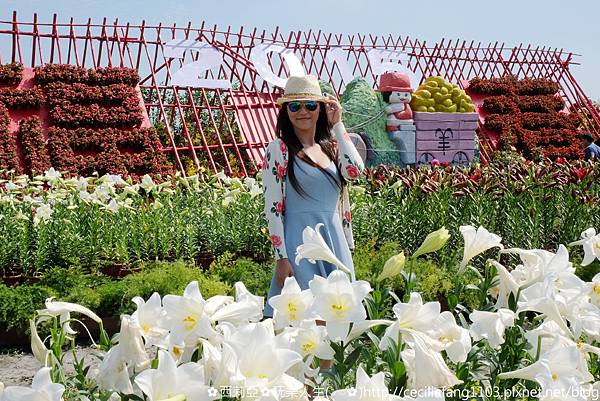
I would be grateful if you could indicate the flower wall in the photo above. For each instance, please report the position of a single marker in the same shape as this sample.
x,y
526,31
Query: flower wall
x,y
528,116
77,120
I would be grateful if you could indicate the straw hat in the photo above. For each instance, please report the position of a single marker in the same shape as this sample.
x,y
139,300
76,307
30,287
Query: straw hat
x,y
302,88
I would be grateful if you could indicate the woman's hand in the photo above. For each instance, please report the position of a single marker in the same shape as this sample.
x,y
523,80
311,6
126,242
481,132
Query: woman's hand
x,y
334,110
284,270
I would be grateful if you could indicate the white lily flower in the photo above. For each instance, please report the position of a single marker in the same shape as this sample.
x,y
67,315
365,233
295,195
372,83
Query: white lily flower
x,y
477,241
52,175
82,183
411,316
113,373
291,307
255,190
358,328
42,389
491,325
149,318
433,242
219,364
392,267
541,297
43,213
311,339
556,368
339,302
455,340
594,290
113,206
248,307
507,285
591,246
39,350
147,183
186,316
169,381
315,248
63,310
262,364
367,389
130,339
425,367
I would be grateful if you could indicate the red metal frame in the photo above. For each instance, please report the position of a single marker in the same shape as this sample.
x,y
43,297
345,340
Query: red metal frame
x,y
219,128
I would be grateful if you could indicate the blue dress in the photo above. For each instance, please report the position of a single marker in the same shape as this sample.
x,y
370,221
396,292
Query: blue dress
x,y
318,205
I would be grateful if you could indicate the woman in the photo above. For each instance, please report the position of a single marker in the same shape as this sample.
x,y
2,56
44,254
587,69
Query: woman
x,y
304,176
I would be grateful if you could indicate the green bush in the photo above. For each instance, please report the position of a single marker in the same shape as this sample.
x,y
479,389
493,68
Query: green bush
x,y
18,304
255,276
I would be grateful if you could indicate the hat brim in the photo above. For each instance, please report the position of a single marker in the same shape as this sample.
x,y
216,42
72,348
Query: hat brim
x,y
394,89
300,97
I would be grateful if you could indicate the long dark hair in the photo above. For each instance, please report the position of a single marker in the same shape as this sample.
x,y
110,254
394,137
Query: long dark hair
x,y
285,131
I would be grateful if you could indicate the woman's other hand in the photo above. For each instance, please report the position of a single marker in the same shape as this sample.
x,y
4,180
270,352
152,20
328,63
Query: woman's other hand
x,y
334,110
284,270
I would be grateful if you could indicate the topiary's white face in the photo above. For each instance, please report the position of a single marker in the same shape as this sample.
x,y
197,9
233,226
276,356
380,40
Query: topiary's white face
x,y
400,97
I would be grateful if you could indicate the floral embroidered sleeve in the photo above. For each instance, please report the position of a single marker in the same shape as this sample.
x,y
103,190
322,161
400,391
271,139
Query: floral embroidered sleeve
x,y
349,160
273,176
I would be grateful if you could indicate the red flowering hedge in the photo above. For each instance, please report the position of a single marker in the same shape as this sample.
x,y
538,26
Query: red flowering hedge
x,y
526,114
71,74
71,115
21,98
111,151
33,144
110,95
11,74
510,85
96,116
511,104
8,145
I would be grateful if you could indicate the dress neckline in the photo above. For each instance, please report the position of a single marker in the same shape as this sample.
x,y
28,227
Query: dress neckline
x,y
317,166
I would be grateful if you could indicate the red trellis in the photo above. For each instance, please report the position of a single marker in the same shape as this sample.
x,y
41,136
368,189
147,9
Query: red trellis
x,y
228,129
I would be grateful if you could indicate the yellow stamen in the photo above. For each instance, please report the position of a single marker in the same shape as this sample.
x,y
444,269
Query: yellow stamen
x,y
190,322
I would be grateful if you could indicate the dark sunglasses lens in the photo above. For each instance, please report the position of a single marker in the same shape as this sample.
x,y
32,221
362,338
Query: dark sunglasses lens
x,y
294,106
311,106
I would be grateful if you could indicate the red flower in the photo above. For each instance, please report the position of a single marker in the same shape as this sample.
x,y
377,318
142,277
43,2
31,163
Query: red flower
x,y
580,173
435,162
560,160
282,147
265,164
444,164
281,170
348,216
353,171
276,241
280,207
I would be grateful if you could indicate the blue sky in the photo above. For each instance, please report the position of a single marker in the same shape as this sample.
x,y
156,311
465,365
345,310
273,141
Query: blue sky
x,y
571,25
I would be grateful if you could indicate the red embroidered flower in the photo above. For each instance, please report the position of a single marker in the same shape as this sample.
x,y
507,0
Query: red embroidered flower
x,y
353,171
265,164
280,207
347,136
276,240
348,216
282,147
281,170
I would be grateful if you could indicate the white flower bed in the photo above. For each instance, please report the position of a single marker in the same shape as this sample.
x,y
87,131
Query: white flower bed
x,y
537,338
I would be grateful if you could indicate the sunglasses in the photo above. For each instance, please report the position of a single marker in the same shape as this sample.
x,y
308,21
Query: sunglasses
x,y
296,106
